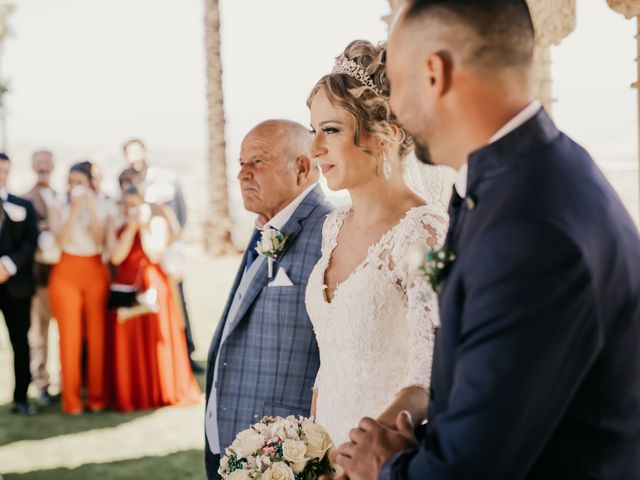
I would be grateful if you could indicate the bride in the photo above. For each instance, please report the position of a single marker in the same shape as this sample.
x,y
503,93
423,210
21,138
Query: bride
x,y
372,312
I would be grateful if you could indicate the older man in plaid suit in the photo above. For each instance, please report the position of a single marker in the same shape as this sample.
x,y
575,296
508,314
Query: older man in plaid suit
x,y
263,357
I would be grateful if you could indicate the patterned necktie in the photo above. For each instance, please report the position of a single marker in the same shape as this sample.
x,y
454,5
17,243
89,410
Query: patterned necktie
x,y
251,249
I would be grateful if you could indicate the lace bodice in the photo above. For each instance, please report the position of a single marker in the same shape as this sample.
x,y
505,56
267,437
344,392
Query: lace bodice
x,y
376,334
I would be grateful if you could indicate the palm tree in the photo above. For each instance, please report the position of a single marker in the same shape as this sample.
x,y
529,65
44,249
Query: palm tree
x,y
218,224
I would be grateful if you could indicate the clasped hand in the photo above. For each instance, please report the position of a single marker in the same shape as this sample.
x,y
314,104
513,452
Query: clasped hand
x,y
371,445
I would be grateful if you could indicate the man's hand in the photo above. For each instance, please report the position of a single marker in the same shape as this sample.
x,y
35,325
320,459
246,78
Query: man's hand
x,y
371,445
4,273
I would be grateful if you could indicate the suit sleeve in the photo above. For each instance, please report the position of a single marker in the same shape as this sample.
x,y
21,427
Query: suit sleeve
x,y
24,249
530,333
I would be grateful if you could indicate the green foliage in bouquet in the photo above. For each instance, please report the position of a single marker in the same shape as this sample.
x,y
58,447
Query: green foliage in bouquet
x,y
316,468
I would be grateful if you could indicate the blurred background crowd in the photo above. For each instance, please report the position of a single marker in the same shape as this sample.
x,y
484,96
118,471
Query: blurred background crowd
x,y
109,270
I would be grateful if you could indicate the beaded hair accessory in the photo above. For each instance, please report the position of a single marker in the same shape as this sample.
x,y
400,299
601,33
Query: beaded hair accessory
x,y
351,68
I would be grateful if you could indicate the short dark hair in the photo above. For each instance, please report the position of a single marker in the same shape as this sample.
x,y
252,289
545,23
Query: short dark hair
x,y
504,28
131,141
130,174
4,157
85,167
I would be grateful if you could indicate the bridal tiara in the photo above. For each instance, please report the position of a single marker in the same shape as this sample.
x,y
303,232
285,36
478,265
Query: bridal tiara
x,y
351,68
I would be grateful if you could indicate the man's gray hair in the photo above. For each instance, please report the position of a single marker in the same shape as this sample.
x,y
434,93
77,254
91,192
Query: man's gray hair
x,y
41,152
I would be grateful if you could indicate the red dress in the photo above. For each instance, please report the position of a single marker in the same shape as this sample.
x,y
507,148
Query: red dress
x,y
150,354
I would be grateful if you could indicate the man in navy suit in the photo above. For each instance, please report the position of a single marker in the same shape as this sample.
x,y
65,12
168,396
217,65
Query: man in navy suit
x,y
536,370
264,356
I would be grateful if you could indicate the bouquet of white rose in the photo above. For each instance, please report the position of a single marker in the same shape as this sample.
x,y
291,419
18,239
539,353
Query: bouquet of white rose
x,y
278,449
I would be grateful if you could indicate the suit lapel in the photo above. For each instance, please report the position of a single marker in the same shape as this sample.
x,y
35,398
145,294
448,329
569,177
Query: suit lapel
x,y
293,228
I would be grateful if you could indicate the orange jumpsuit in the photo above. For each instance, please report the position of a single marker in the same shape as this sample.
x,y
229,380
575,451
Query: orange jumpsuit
x,y
78,289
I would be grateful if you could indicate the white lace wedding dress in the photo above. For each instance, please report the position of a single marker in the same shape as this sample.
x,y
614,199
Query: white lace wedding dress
x,y
376,334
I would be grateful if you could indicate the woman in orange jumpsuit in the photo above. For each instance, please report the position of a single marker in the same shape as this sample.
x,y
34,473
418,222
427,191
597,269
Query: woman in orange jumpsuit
x,y
78,289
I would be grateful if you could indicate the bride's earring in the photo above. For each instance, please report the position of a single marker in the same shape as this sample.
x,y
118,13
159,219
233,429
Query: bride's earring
x,y
386,167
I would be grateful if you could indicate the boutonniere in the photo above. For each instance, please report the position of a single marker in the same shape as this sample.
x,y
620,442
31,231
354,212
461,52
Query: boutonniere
x,y
434,264
270,245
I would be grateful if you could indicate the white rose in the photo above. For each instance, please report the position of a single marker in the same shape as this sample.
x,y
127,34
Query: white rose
x,y
239,475
247,443
294,452
267,243
262,429
263,461
278,471
318,440
278,432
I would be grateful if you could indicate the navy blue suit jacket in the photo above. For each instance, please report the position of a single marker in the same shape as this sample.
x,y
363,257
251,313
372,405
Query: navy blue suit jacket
x,y
537,362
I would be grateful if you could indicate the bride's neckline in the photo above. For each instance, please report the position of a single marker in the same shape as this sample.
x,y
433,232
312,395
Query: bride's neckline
x,y
340,217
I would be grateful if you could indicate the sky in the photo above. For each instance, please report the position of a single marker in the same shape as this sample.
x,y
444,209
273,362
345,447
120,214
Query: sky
x,y
86,74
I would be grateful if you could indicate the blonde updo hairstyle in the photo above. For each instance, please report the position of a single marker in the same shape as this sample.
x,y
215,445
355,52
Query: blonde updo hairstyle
x,y
371,110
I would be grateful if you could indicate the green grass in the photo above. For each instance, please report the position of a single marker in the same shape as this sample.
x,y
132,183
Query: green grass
x,y
187,465
52,450
50,422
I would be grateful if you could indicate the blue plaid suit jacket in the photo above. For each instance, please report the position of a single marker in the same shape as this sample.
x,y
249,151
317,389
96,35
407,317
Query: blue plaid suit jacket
x,y
269,361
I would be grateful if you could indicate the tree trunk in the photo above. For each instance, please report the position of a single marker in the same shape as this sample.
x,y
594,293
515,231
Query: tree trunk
x,y
218,224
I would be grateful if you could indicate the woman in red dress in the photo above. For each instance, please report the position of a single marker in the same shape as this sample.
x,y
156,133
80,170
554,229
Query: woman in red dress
x,y
150,356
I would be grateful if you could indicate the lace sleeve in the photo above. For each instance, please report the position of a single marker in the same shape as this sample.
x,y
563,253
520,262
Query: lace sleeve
x,y
331,228
422,313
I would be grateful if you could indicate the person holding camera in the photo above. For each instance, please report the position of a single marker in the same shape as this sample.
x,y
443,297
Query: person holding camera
x,y
78,288
151,362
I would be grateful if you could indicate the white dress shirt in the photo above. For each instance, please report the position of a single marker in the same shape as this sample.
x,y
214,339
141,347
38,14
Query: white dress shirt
x,y
281,218
521,118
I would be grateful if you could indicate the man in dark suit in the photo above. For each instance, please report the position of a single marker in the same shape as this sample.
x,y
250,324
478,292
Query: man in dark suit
x,y
18,237
537,362
264,356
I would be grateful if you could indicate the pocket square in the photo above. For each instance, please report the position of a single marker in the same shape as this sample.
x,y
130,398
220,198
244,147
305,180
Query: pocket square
x,y
281,279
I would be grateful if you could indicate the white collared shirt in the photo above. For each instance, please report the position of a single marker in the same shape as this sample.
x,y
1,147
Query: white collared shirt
x,y
281,218
526,114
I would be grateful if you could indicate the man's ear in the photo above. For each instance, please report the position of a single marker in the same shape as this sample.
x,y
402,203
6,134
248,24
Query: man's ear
x,y
439,68
303,168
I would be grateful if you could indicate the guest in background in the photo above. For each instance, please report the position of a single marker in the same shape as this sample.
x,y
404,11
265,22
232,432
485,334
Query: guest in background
x,y
162,186
18,237
101,196
42,196
104,200
78,289
151,361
